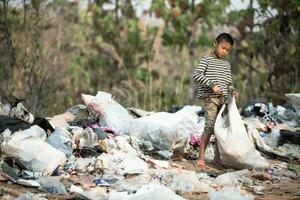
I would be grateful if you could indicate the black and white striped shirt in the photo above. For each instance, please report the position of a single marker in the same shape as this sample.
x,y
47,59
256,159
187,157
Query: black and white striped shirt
x,y
212,71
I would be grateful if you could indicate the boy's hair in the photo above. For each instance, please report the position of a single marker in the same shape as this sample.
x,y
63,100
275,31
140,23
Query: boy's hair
x,y
225,37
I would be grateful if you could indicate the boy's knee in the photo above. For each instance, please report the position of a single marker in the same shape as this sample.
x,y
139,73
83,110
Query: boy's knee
x,y
209,130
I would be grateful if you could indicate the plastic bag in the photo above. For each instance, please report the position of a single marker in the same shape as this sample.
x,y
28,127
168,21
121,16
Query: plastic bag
x,y
154,191
111,113
231,193
163,129
60,140
30,148
52,185
236,148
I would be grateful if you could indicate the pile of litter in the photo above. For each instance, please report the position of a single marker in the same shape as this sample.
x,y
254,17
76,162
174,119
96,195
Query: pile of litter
x,y
101,150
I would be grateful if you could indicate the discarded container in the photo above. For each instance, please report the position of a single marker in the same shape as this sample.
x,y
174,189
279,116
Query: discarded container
x,y
89,138
30,148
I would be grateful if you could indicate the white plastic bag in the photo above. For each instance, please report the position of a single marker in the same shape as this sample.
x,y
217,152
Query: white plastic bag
x,y
30,148
111,113
163,129
60,140
236,148
231,193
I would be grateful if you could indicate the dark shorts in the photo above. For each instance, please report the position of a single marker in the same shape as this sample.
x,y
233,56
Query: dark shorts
x,y
212,106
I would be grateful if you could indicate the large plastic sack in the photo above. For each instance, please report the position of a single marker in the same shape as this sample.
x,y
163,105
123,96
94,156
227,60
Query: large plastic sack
x,y
31,150
163,129
236,148
111,113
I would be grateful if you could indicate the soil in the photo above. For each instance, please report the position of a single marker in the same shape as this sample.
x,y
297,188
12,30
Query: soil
x,y
283,189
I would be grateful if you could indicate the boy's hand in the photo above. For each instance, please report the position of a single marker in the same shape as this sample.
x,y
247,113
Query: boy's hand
x,y
235,94
216,89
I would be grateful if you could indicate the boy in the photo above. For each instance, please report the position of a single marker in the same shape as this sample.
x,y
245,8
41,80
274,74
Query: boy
x,y
215,86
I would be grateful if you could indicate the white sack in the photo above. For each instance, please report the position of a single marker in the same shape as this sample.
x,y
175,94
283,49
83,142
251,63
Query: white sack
x,y
236,149
111,113
30,148
163,129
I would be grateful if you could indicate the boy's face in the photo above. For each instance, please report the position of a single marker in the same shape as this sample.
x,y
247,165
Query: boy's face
x,y
222,49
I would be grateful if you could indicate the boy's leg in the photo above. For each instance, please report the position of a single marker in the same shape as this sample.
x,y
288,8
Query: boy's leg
x,y
221,103
217,158
203,144
210,114
217,152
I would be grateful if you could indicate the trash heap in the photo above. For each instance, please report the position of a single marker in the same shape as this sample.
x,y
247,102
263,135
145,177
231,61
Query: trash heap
x,y
101,150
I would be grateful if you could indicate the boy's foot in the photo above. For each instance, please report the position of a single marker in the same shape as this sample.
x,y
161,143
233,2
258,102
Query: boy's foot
x,y
201,163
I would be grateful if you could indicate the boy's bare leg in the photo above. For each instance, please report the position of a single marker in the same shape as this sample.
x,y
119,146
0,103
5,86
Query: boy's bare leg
x,y
203,144
210,114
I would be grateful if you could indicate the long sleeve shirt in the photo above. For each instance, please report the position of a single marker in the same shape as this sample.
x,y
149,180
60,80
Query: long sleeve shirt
x,y
213,71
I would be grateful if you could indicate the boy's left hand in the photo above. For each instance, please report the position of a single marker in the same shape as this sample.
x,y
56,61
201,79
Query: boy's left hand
x,y
235,94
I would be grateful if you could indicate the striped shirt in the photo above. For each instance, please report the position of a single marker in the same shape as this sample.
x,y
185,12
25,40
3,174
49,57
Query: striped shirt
x,y
212,71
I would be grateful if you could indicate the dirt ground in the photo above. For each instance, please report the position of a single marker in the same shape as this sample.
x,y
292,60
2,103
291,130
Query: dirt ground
x,y
281,190
286,189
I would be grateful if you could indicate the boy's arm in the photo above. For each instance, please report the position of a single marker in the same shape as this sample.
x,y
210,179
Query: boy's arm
x,y
231,88
199,76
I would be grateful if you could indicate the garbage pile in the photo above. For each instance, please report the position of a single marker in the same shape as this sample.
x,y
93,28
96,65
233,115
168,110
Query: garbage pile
x,y
101,150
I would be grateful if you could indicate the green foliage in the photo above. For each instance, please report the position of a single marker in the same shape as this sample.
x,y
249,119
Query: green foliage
x,y
268,53
52,51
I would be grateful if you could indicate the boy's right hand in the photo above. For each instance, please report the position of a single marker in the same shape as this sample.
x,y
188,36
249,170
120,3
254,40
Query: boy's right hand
x,y
216,89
